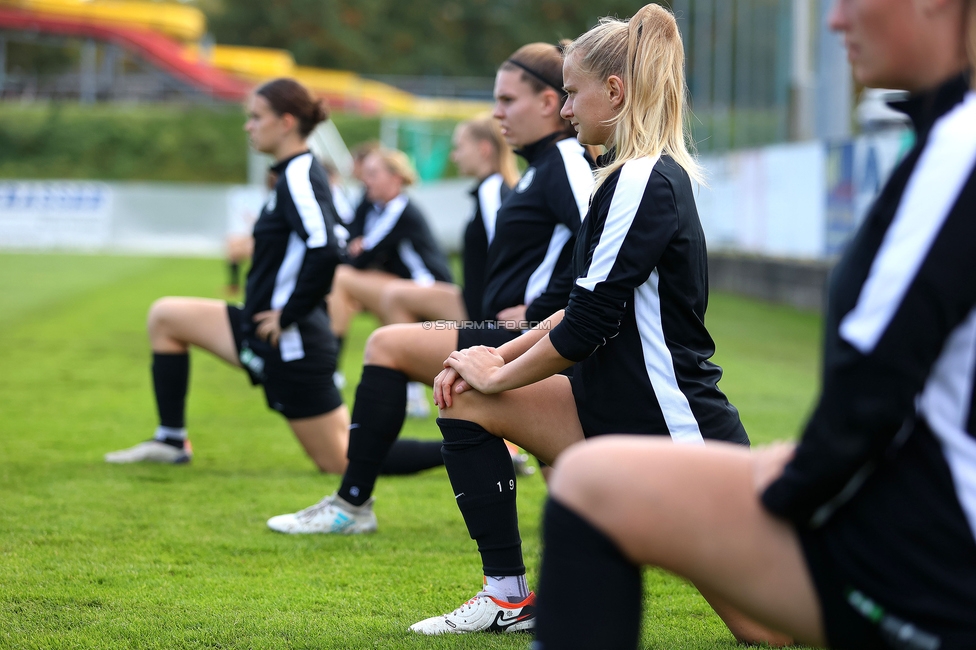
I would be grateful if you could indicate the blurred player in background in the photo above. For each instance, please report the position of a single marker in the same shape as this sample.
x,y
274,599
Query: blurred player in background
x,y
281,335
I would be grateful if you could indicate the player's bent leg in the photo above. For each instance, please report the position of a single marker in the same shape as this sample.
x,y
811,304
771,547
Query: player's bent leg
x,y
341,305
694,511
411,348
405,301
541,417
364,286
174,324
325,438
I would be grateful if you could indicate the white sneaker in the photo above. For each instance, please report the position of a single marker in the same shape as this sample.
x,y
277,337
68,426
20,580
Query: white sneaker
x,y
483,613
333,514
152,451
339,379
418,405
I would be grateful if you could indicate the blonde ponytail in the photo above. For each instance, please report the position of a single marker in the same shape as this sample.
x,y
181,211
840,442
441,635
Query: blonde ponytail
x,y
648,55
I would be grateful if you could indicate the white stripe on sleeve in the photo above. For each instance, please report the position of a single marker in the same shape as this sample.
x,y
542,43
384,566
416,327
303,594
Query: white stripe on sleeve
x,y
300,188
659,365
942,170
627,196
578,171
489,200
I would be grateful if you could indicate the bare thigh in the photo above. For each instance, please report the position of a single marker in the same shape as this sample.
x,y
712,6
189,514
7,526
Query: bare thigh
x,y
694,511
364,286
541,417
405,301
175,324
411,348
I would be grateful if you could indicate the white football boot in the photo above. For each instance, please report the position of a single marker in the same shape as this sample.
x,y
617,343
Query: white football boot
x,y
483,613
333,514
152,451
418,406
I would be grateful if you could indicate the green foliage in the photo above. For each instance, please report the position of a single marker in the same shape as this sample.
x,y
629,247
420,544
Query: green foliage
x,y
99,556
196,144
458,37
123,142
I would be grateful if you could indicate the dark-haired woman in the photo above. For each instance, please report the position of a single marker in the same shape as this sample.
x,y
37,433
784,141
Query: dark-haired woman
x,y
281,335
527,277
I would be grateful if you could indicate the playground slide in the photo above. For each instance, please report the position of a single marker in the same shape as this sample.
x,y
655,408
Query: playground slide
x,y
156,48
173,20
226,71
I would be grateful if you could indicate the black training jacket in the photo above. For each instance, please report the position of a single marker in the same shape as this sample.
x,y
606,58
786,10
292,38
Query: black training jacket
x,y
478,234
900,347
295,246
635,322
529,257
397,239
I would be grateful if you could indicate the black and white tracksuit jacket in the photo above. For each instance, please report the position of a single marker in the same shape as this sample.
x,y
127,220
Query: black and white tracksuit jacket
x,y
397,239
529,259
883,482
635,322
296,251
478,235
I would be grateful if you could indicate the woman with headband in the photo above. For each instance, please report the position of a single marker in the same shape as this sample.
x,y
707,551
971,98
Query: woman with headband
x,y
527,277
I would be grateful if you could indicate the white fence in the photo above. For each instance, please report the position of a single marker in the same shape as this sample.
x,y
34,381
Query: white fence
x,y
168,218
800,201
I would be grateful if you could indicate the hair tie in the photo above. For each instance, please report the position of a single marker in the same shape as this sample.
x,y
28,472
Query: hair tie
x,y
538,76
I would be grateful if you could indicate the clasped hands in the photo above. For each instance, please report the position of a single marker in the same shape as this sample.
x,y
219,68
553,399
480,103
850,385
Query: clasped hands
x,y
473,368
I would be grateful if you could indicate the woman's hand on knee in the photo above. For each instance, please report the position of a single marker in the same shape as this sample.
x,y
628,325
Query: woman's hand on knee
x,y
477,366
769,462
446,384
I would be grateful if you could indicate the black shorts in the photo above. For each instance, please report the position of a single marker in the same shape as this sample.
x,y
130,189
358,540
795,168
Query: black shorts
x,y
895,568
299,387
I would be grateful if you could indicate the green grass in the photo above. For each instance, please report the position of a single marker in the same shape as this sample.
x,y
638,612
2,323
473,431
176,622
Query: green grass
x,y
98,556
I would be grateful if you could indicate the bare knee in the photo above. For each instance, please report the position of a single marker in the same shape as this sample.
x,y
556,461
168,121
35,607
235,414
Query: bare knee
x,y
382,349
469,406
160,318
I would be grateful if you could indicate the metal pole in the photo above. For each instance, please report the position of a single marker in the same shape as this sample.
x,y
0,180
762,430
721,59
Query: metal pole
x,y
722,68
783,63
701,92
88,76
801,123
834,83
744,106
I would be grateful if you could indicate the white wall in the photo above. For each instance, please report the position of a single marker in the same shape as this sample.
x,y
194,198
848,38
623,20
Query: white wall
x,y
170,218
800,201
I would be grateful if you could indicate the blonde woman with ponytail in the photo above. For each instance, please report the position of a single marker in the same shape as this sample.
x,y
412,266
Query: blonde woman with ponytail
x,y
633,331
863,534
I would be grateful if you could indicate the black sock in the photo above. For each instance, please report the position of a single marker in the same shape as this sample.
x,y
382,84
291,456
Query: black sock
x,y
578,556
412,456
234,274
483,478
171,376
341,341
377,416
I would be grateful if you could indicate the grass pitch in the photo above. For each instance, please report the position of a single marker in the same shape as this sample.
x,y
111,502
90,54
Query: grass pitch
x,y
100,556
